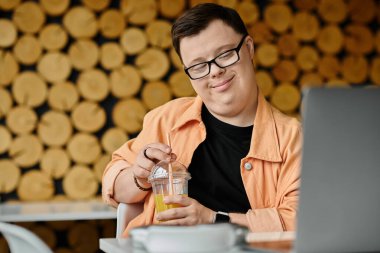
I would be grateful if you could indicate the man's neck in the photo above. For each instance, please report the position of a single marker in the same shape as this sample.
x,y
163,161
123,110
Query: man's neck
x,y
244,117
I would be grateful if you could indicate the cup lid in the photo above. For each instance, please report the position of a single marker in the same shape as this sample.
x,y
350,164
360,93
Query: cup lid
x,y
161,171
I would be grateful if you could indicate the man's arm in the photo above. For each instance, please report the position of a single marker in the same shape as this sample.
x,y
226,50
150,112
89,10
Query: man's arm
x,y
125,180
128,183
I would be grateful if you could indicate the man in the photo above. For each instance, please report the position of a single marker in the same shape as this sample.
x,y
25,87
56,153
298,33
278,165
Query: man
x,y
243,155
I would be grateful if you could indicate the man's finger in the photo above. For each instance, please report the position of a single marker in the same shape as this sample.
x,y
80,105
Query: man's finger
x,y
145,163
178,199
141,172
156,154
176,222
160,146
171,214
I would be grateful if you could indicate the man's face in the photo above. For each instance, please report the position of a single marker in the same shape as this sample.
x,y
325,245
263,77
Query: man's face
x,y
225,91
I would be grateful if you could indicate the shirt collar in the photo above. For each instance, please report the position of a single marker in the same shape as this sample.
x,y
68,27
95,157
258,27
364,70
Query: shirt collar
x,y
192,113
264,143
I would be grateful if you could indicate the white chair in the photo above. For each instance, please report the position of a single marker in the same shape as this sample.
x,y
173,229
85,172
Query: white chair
x,y
125,213
21,240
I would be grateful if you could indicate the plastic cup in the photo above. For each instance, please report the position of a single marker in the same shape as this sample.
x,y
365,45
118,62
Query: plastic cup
x,y
159,178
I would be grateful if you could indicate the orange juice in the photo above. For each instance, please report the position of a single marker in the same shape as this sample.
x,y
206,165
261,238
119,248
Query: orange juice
x,y
160,206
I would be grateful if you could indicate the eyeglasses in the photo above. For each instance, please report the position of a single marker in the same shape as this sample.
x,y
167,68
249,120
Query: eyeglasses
x,y
223,60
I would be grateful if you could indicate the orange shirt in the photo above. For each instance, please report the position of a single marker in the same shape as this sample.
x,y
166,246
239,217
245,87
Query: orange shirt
x,y
270,171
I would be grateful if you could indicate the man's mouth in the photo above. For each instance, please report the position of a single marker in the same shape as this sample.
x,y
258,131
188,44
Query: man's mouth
x,y
223,85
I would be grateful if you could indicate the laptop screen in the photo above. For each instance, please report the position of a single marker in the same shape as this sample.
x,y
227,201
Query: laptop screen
x,y
339,209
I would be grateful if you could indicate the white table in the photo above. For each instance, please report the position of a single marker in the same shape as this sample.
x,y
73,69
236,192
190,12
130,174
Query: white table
x,y
57,211
270,240
124,245
116,245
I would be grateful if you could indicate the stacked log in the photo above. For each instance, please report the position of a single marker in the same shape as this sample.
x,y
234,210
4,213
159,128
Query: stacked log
x,y
77,78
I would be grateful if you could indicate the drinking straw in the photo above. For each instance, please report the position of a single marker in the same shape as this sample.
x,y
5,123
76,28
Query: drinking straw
x,y
170,169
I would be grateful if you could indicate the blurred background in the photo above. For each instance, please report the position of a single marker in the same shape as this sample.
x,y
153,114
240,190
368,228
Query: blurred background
x,y
77,78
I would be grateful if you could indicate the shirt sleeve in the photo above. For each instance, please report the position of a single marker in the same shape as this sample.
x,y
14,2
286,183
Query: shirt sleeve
x,y
282,217
125,157
112,170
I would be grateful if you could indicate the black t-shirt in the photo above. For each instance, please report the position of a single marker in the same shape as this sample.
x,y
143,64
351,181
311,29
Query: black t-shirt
x,y
215,167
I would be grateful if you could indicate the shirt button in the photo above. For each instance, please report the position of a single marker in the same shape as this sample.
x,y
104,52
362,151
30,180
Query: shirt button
x,y
248,166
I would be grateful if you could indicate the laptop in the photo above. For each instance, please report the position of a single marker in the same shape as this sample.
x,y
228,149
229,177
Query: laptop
x,y
339,208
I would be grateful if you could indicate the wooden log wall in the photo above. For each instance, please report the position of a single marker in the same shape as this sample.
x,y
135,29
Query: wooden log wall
x,y
78,76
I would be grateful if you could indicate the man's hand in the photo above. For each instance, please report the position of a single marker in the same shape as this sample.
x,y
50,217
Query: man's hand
x,y
191,212
147,158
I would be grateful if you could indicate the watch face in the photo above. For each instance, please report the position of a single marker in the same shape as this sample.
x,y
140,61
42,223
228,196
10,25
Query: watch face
x,y
222,217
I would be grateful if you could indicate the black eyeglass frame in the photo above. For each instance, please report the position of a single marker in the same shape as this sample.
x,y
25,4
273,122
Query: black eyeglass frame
x,y
236,49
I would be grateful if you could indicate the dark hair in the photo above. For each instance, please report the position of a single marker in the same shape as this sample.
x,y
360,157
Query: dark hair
x,y
199,17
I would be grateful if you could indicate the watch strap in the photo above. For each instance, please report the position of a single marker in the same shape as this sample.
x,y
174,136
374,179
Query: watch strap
x,y
221,217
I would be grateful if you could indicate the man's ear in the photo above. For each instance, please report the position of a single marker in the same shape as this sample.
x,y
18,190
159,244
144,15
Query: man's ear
x,y
250,46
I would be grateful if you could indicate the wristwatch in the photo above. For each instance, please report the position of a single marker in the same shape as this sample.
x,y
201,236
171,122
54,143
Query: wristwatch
x,y
221,217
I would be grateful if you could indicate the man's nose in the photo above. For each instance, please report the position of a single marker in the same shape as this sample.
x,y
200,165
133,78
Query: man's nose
x,y
215,70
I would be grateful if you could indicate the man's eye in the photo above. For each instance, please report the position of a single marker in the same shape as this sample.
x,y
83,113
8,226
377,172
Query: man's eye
x,y
199,67
226,55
